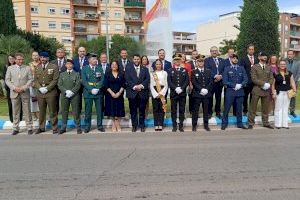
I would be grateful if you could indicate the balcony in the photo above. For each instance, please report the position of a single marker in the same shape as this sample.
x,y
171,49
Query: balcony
x,y
134,4
86,16
85,3
295,34
295,47
80,30
131,19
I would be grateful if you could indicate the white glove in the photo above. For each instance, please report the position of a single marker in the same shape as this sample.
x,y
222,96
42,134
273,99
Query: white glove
x,y
266,86
43,90
69,93
95,91
178,90
238,87
204,92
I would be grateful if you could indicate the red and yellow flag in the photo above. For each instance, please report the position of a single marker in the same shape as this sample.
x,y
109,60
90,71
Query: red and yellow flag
x,y
159,9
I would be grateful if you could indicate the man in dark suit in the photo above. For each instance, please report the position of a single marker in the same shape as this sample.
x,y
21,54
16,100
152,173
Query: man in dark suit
x,y
202,81
216,65
123,62
248,62
193,61
105,68
178,80
166,64
137,91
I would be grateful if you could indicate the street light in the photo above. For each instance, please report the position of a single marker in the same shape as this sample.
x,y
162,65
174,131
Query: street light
x,y
106,23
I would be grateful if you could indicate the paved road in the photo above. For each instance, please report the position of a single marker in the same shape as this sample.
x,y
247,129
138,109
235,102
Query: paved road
x,y
234,165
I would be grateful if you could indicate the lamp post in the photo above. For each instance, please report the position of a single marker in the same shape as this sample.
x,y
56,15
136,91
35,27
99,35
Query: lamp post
x,y
106,24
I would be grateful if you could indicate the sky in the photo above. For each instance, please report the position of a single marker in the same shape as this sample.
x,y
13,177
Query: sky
x,y
188,14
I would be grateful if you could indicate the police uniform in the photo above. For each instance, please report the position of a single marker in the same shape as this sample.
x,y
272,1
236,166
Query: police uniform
x,y
232,76
70,81
202,81
178,80
92,78
46,77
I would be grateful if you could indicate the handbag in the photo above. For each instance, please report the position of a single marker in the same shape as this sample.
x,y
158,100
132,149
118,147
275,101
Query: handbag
x,y
291,93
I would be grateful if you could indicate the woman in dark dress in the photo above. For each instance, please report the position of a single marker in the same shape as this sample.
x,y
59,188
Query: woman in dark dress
x,y
114,83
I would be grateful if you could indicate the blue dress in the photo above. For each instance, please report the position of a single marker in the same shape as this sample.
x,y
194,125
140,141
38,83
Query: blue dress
x,y
114,107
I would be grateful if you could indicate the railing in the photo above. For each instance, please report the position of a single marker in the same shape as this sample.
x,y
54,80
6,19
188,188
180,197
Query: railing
x,y
80,29
85,2
86,16
295,46
133,18
134,4
295,33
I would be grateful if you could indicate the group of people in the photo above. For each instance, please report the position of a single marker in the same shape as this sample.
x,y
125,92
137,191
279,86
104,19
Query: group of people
x,y
56,85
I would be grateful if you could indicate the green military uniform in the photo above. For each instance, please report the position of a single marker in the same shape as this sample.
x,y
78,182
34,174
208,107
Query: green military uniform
x,y
47,76
70,81
92,78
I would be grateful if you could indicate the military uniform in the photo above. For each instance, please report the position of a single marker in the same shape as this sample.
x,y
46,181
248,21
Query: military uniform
x,y
92,78
178,78
47,76
70,80
202,80
233,76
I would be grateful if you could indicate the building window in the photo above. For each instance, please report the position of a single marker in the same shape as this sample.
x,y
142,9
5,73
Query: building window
x,y
118,1
15,9
286,43
118,14
65,11
66,40
34,9
35,24
118,27
52,25
104,14
103,27
65,25
51,11
104,1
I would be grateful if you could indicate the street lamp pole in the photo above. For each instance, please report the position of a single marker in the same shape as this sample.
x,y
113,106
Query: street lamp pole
x,y
107,36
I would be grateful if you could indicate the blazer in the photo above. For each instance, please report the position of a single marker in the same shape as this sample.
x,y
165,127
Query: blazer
x,y
19,77
231,77
132,80
178,79
63,68
192,64
245,62
209,63
92,80
259,78
227,63
163,80
166,67
295,69
121,67
46,78
68,81
76,66
107,69
201,81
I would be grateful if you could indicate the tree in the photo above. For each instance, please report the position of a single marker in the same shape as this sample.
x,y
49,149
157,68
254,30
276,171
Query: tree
x,y
259,26
227,44
118,42
7,18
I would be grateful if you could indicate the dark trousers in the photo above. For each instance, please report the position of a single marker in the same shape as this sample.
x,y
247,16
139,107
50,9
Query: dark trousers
x,y
57,100
195,115
65,107
158,112
234,103
247,91
137,108
238,102
191,103
175,102
80,98
217,92
88,111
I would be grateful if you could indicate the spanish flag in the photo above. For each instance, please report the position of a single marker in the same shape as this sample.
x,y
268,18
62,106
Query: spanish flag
x,y
160,8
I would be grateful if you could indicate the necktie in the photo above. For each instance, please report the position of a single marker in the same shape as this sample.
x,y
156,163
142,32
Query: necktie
x,y
263,67
69,72
137,69
81,63
59,63
217,62
251,60
44,67
124,63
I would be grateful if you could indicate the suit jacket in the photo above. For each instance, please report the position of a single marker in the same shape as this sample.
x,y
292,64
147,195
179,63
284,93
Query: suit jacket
x,y
201,81
231,77
192,64
77,67
209,63
227,63
46,78
259,78
68,81
107,67
121,67
63,68
178,79
295,69
132,80
19,77
92,80
245,62
166,67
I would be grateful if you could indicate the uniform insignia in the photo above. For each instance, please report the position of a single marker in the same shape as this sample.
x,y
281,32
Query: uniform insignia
x,y
172,72
230,72
50,71
98,74
197,75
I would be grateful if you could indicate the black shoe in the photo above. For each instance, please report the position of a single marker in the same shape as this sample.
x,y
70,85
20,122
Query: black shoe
x,y
286,127
143,129
278,127
194,129
30,132
242,127
223,128
293,114
134,129
174,129
269,126
62,132
181,129
218,115
245,113
206,128
87,130
55,131
79,131
209,116
15,132
38,131
101,129
250,127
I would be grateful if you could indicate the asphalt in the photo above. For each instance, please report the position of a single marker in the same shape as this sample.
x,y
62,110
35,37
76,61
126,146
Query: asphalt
x,y
249,164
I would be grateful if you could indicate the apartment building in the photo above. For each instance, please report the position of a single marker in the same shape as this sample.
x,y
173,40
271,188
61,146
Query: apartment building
x,y
184,42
